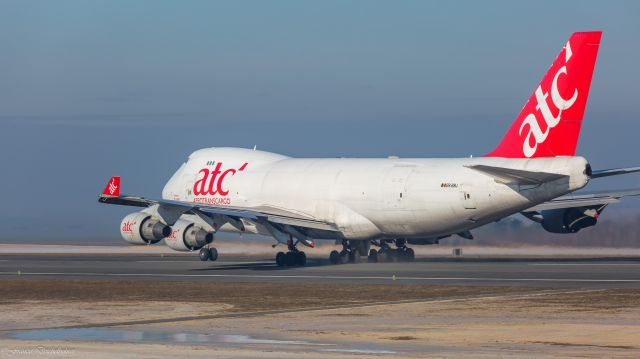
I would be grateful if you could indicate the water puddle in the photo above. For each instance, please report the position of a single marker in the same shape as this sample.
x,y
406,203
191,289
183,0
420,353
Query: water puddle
x,y
130,335
119,335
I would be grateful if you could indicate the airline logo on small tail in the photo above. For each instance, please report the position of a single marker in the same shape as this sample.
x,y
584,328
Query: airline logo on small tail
x,y
549,123
113,187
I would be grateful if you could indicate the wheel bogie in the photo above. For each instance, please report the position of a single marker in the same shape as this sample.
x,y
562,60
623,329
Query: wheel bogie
x,y
291,259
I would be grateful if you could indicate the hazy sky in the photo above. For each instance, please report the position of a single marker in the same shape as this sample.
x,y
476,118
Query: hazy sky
x,y
89,89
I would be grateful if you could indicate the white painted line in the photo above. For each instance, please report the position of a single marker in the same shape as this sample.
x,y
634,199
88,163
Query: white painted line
x,y
584,264
167,261
198,261
255,276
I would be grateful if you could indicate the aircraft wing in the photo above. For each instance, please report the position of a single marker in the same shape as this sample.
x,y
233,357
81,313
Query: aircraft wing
x,y
276,220
585,199
259,213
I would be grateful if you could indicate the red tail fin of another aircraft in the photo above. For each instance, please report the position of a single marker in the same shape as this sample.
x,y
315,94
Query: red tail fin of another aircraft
x,y
113,187
549,123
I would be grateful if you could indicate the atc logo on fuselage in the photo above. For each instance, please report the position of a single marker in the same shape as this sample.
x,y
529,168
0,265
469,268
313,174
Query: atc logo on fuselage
x,y
209,184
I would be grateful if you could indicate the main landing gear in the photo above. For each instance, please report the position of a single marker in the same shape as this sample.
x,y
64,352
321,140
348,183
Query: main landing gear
x,y
293,257
208,254
352,251
401,253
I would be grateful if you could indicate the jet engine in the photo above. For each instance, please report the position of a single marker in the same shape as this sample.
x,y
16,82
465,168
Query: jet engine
x,y
187,236
142,228
566,220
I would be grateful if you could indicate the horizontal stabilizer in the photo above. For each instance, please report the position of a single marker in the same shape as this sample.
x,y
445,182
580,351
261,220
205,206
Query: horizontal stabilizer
x,y
614,172
585,199
513,176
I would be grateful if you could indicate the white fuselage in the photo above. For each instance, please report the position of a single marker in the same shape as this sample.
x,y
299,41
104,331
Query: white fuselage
x,y
371,198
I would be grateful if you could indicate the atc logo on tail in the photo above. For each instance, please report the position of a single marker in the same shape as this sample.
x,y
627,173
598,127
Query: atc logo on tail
x,y
548,127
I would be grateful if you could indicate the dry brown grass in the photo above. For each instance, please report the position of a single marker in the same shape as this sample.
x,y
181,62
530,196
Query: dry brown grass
x,y
243,295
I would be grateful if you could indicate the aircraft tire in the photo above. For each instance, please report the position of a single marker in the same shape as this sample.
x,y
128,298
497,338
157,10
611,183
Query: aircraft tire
x,y
373,256
334,257
281,259
344,257
290,259
213,254
383,256
301,258
410,255
204,254
354,256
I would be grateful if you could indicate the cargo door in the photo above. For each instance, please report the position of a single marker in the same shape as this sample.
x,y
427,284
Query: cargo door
x,y
468,197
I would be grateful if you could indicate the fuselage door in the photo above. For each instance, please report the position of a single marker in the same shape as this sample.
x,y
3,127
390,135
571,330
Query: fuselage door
x,y
468,198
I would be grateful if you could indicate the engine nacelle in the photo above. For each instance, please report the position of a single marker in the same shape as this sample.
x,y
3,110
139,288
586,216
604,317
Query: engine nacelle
x,y
142,228
566,220
187,236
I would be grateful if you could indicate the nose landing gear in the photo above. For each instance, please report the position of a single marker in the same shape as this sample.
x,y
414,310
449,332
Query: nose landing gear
x,y
208,254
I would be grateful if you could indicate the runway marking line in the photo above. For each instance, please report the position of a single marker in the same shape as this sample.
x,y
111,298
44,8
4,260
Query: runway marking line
x,y
167,261
584,264
256,276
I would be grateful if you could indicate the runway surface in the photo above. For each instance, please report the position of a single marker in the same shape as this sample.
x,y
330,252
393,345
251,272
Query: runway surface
x,y
534,272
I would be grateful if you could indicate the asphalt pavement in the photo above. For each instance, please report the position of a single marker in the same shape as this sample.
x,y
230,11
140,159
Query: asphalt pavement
x,y
531,272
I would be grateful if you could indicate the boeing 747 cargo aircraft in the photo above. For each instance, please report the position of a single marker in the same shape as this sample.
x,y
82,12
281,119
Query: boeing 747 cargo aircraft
x,y
379,207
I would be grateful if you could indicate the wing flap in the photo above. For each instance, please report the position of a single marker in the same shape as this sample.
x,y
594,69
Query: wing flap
x,y
305,223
